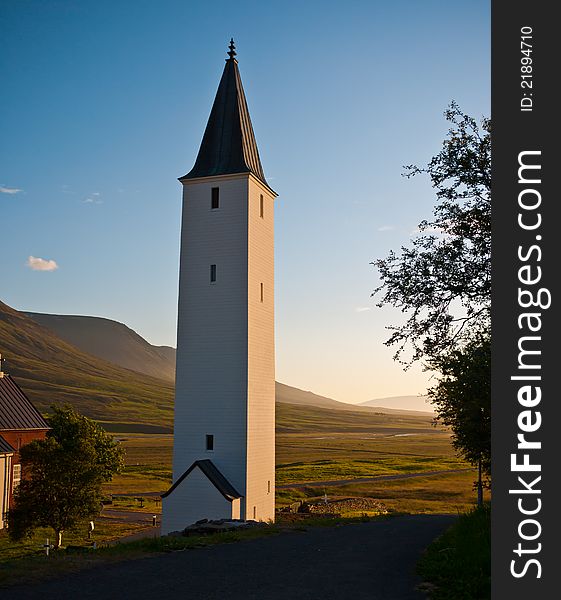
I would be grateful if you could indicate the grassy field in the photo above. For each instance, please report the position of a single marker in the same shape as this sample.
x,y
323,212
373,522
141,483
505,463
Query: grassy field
x,y
312,445
303,457
356,455
105,531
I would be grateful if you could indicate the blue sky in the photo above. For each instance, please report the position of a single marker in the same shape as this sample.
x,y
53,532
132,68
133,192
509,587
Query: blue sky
x,y
104,103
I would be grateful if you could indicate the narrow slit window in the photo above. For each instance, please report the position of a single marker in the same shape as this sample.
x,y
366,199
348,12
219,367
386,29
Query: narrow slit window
x,y
212,273
215,198
210,442
262,293
254,513
261,207
269,487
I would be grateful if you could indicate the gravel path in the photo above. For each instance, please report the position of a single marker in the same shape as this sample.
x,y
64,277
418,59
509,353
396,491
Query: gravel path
x,y
366,561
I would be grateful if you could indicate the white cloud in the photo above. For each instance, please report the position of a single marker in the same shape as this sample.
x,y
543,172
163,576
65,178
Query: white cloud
x,y
41,264
7,190
360,309
93,198
386,228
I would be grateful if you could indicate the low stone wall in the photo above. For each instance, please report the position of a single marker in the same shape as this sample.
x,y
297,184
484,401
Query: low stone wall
x,y
344,505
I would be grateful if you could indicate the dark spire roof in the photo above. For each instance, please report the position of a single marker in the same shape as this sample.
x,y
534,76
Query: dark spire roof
x,y
228,144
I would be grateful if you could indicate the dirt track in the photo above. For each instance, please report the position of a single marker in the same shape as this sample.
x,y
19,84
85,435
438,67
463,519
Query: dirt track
x,y
337,482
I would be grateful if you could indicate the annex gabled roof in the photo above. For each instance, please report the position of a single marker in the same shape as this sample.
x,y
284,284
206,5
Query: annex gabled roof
x,y
215,477
5,448
228,145
16,410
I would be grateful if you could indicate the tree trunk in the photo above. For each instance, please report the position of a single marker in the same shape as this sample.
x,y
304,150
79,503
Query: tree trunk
x,y
479,486
58,538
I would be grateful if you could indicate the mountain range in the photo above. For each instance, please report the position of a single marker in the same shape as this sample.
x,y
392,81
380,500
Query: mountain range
x,y
110,373
52,371
117,343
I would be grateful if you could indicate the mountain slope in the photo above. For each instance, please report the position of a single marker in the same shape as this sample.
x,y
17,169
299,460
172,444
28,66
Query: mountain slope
x,y
51,371
300,418
112,341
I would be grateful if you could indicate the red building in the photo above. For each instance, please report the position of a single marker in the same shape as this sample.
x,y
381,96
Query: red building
x,y
20,423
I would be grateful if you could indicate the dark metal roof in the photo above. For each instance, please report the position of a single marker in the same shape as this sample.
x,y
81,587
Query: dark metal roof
x,y
228,144
214,475
5,448
16,410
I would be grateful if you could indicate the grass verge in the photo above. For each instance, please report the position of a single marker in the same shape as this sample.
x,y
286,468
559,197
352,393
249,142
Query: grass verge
x,y
457,566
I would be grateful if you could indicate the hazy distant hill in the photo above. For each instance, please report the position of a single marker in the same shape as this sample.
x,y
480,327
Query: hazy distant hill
x,y
111,341
292,395
51,371
402,402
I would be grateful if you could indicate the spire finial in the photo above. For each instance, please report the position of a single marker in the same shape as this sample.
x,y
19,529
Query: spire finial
x,y
232,47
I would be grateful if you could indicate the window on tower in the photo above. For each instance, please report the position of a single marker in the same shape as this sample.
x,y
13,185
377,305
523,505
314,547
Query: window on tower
x,y
215,198
261,207
262,293
212,273
210,442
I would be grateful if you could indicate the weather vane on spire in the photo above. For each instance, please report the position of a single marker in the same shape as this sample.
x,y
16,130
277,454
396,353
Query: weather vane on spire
x,y
232,47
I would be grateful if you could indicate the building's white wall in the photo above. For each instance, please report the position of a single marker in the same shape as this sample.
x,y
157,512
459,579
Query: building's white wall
x,y
5,470
236,508
195,498
261,357
211,374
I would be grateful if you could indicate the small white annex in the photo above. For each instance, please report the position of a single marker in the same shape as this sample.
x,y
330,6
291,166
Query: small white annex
x,y
201,492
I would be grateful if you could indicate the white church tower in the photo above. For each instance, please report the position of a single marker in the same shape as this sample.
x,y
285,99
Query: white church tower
x,y
224,432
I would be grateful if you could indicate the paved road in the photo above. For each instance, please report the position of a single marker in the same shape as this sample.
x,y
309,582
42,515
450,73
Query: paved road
x,y
366,561
339,482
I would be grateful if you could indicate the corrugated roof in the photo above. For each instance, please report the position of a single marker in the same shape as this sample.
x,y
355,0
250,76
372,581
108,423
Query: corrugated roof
x,y
214,475
16,410
5,448
228,144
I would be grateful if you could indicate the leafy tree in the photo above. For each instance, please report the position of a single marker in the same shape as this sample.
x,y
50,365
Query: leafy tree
x,y
63,475
443,281
462,399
